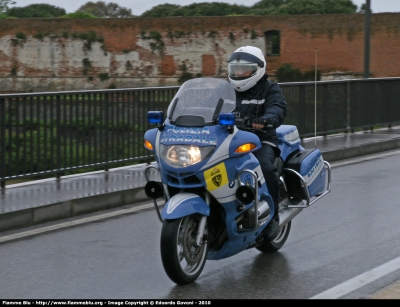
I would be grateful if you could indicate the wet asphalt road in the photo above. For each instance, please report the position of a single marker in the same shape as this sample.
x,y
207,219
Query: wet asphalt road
x,y
350,231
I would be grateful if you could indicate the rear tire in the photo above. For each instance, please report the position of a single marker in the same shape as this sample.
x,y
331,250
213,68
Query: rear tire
x,y
183,261
274,245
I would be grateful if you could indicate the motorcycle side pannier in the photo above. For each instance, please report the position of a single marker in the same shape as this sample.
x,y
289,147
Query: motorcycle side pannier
x,y
309,164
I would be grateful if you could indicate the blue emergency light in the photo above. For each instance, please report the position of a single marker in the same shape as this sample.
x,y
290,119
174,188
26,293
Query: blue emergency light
x,y
155,117
226,119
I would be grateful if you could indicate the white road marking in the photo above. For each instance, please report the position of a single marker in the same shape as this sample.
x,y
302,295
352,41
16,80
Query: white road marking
x,y
360,280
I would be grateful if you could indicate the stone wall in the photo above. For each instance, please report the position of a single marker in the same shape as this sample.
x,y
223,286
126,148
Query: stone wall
x,y
84,54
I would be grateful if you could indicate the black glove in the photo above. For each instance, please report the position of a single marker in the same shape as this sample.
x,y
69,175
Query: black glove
x,y
262,121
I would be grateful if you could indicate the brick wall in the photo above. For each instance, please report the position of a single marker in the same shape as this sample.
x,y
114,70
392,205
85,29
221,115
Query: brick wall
x,y
53,54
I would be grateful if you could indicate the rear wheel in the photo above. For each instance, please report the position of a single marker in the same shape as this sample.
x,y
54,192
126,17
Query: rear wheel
x,y
182,259
276,244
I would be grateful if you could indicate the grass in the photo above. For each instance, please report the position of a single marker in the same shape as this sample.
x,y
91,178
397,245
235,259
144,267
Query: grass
x,y
16,181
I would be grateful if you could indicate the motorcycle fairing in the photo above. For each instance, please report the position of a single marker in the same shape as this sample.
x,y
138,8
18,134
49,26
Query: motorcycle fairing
x,y
150,136
288,140
225,193
225,143
232,141
183,204
238,241
200,136
242,137
216,177
220,179
222,151
197,136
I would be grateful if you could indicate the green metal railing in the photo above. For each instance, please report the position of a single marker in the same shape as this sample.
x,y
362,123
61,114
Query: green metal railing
x,y
58,133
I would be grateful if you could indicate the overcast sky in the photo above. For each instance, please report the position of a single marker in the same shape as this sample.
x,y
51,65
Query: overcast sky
x,y
138,7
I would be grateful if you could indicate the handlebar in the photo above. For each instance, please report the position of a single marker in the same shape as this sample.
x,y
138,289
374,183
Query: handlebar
x,y
245,124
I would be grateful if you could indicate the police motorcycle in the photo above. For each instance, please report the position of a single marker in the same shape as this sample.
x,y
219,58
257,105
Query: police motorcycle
x,y
214,199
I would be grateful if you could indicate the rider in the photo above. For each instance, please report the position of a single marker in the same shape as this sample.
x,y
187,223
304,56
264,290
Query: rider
x,y
262,101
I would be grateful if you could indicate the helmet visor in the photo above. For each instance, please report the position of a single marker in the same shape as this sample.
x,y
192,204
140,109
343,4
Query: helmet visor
x,y
241,71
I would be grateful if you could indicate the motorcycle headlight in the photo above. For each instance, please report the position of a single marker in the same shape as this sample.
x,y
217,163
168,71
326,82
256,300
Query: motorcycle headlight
x,y
184,155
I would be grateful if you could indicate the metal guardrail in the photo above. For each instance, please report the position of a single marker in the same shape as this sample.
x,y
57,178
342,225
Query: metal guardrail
x,y
58,133
342,106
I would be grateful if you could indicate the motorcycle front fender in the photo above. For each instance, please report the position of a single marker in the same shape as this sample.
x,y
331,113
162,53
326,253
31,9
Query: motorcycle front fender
x,y
183,204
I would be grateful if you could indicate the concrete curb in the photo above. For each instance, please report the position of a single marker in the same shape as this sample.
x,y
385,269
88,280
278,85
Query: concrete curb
x,y
56,211
361,150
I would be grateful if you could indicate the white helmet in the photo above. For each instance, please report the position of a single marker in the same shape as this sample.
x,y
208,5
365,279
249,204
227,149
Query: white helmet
x,y
245,67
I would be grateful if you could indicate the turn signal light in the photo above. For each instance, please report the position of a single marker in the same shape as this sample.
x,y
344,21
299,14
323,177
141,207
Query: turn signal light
x,y
148,145
245,148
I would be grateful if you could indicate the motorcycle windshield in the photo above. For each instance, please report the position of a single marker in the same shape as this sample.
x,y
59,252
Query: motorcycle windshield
x,y
199,102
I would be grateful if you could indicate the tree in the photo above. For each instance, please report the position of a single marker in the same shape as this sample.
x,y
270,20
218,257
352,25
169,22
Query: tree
x,y
269,4
339,7
162,10
196,9
211,9
4,5
363,9
264,3
106,10
36,11
267,7
78,15
318,7
287,73
263,7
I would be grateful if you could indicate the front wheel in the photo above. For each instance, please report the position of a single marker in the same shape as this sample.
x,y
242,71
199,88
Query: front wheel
x,y
182,259
276,244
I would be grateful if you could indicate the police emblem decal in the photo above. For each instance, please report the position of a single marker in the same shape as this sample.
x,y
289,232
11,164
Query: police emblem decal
x,y
217,180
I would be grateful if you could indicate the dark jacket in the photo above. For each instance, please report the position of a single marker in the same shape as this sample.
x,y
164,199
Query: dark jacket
x,y
265,99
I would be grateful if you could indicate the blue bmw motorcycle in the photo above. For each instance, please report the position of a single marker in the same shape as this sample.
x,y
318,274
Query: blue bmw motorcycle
x,y
216,202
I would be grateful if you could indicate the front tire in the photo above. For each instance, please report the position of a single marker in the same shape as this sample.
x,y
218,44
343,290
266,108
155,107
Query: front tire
x,y
183,261
274,245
